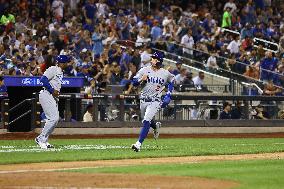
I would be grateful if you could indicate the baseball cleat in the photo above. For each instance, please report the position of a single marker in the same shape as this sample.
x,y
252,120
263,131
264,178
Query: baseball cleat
x,y
42,145
156,132
49,145
135,148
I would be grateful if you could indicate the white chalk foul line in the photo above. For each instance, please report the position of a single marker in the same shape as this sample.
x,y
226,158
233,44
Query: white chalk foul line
x,y
9,149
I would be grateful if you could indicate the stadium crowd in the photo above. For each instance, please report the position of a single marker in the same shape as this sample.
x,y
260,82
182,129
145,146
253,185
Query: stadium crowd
x,y
97,35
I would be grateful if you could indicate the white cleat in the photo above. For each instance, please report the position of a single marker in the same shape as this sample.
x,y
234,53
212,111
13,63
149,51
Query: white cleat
x,y
49,145
156,132
42,145
136,147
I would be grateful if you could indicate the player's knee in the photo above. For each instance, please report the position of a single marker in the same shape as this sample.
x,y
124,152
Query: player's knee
x,y
55,119
153,122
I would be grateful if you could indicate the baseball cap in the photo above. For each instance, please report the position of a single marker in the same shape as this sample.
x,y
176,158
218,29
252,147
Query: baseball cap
x,y
62,59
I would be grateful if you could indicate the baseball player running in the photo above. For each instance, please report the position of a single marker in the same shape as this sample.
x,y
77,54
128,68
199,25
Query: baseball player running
x,y
48,98
154,79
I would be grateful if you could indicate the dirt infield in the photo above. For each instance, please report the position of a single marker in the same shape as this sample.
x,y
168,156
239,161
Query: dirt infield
x,y
46,175
80,180
32,135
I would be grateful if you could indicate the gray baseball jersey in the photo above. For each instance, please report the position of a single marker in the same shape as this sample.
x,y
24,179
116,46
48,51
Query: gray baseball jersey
x,y
155,83
55,76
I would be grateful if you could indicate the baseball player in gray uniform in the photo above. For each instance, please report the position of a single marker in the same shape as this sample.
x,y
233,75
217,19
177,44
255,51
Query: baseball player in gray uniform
x,y
48,98
154,79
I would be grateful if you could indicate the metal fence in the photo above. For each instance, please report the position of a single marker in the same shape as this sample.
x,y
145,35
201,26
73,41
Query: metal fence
x,y
125,108
195,107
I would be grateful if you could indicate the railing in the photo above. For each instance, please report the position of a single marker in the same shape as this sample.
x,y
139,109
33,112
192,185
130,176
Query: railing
x,y
198,106
126,108
32,111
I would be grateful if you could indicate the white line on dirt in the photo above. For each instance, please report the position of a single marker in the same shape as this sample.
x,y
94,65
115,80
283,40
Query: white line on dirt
x,y
49,170
62,169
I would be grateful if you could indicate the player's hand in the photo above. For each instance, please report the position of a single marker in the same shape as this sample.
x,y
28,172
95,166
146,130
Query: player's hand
x,y
144,77
166,101
55,93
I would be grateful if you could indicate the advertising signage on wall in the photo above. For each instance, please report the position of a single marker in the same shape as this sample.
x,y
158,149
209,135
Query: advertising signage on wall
x,y
20,81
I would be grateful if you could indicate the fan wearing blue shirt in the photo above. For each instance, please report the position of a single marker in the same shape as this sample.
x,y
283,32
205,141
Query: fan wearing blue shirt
x,y
156,31
268,63
90,10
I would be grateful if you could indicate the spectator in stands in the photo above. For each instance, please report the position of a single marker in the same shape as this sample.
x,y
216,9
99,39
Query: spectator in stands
x,y
198,80
252,72
250,13
97,42
281,114
226,113
268,65
88,116
232,5
91,89
90,10
270,89
146,57
188,79
125,59
178,68
246,31
260,113
180,77
58,9
125,82
7,20
156,31
187,42
212,62
236,112
234,46
242,64
103,8
227,18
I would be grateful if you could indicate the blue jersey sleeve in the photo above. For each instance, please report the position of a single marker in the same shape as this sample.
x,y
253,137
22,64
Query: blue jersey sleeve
x,y
46,84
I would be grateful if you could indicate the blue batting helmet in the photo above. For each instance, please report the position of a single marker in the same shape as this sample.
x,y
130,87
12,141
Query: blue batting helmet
x,y
159,56
62,59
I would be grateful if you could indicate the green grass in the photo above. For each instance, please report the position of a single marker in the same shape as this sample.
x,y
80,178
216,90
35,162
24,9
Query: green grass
x,y
253,174
168,147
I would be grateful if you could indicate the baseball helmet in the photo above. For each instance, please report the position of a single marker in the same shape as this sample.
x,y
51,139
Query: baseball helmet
x,y
62,59
159,56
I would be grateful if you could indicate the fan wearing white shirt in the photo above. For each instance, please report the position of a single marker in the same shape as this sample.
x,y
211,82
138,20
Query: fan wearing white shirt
x,y
188,42
102,8
88,116
234,46
57,8
199,80
231,5
212,62
146,57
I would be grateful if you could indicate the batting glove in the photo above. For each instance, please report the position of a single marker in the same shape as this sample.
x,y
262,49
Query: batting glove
x,y
166,100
